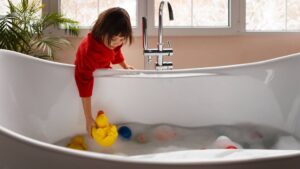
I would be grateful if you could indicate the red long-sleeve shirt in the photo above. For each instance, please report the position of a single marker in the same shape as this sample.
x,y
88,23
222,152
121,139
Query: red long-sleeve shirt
x,y
92,55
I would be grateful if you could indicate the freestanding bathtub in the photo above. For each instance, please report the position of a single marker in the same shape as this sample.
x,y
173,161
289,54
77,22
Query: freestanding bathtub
x,y
39,105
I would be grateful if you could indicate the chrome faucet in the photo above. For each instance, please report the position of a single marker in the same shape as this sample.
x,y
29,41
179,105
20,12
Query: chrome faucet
x,y
160,51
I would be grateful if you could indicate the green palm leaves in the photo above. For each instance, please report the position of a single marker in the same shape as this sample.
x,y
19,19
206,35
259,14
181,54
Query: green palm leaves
x,y
23,29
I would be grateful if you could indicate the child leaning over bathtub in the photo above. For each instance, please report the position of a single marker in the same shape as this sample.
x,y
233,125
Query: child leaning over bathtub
x,y
100,49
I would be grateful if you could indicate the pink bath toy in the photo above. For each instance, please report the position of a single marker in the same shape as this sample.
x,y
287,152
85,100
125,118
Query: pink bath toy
x,y
141,138
164,133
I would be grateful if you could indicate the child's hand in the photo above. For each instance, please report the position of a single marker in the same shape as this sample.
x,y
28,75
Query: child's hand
x,y
90,123
128,67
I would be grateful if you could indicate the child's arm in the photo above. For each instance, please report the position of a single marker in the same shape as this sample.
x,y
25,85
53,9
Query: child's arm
x,y
90,122
125,65
119,59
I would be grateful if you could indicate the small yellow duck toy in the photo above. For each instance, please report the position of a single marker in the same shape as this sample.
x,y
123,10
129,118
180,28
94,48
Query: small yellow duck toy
x,y
105,134
77,142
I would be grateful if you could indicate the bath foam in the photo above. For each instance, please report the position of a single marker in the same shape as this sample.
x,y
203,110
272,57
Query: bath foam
x,y
179,139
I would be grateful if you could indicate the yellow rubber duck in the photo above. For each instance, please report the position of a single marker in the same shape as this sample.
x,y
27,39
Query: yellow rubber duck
x,y
105,134
78,143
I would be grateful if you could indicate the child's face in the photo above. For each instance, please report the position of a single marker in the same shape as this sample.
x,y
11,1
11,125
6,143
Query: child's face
x,y
116,41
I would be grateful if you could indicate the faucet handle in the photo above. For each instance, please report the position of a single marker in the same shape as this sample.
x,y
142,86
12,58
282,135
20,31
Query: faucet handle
x,y
164,66
169,45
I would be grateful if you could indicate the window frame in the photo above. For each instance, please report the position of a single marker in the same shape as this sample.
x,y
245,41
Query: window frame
x,y
232,29
54,6
237,22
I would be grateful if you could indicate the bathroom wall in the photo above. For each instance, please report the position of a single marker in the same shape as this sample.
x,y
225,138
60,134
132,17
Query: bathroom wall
x,y
206,51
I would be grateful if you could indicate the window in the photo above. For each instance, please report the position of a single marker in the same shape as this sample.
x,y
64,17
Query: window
x,y
187,13
197,13
196,17
192,17
3,7
272,15
87,11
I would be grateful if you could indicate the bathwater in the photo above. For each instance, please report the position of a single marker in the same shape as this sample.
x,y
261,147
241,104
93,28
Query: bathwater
x,y
151,139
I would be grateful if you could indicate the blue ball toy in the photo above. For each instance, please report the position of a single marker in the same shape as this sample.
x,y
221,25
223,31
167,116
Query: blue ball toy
x,y
125,132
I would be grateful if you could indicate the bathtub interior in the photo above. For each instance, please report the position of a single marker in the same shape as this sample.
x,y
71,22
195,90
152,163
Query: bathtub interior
x,y
39,99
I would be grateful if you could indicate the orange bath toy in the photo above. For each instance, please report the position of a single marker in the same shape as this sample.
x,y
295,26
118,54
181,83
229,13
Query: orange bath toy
x,y
78,143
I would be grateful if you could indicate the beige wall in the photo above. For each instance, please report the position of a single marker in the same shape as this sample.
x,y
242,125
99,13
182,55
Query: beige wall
x,y
207,50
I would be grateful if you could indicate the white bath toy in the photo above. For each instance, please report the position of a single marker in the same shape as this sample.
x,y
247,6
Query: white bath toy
x,y
223,142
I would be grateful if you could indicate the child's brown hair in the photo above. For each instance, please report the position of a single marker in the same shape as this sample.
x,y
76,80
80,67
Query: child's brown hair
x,y
113,22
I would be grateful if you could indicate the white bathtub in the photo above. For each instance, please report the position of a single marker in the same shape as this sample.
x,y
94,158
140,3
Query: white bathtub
x,y
39,105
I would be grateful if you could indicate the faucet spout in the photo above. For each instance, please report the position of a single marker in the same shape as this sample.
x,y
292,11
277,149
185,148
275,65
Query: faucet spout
x,y
160,22
171,15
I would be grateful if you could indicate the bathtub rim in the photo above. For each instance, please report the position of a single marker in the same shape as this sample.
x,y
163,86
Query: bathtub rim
x,y
210,70
119,72
123,159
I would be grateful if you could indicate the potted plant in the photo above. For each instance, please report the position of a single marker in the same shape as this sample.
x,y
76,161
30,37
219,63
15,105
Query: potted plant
x,y
23,29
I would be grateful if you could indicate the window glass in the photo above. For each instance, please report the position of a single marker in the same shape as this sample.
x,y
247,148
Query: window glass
x,y
87,11
293,15
210,13
84,11
272,15
196,13
265,15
